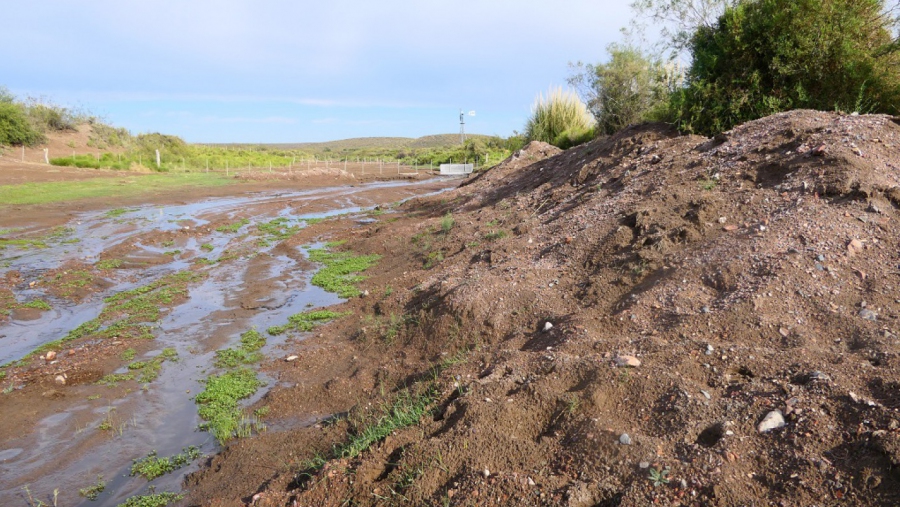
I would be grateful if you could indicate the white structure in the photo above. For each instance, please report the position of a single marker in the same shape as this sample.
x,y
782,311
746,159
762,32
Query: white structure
x,y
456,169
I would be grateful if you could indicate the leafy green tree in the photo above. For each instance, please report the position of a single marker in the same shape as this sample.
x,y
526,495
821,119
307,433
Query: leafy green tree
x,y
767,56
560,118
628,89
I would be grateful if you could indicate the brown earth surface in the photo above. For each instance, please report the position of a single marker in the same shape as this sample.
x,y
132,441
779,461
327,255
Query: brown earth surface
x,y
694,286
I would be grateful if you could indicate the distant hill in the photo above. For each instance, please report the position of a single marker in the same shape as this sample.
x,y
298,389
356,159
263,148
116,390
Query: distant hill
x,y
360,143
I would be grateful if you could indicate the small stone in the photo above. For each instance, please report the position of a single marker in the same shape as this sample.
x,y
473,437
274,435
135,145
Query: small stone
x,y
819,376
705,394
730,228
819,150
709,349
61,380
627,361
530,481
684,484
867,314
625,439
704,309
486,473
31,284
854,246
365,294
773,420
291,358
51,355
547,326
722,220
643,465
820,258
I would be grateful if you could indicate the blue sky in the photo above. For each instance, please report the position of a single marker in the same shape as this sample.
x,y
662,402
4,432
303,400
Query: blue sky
x,y
280,71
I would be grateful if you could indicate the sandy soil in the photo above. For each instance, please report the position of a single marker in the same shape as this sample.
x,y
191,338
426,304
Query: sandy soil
x,y
694,286
694,289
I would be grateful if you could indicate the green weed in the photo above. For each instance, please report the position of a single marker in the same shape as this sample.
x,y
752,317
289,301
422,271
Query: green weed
x,y
659,476
447,223
93,492
305,321
495,235
207,247
109,264
218,403
233,228
341,272
152,466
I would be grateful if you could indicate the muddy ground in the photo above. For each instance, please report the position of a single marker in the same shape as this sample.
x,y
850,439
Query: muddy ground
x,y
647,319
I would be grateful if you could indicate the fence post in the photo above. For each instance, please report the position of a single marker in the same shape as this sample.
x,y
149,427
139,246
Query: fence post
x,y
46,155
157,159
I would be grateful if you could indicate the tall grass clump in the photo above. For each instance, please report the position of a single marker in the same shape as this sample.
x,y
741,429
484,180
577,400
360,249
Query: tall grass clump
x,y
560,118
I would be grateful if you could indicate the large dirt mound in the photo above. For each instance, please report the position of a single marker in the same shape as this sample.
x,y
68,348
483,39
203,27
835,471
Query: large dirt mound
x,y
693,286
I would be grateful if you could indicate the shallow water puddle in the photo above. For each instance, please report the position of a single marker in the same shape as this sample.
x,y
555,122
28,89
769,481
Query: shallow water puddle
x,y
251,282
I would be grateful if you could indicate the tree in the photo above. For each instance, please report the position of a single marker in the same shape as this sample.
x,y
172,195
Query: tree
x,y
678,20
766,56
628,89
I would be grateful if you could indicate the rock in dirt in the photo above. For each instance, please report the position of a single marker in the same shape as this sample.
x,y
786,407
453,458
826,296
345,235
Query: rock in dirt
x,y
772,420
819,376
625,439
625,361
51,355
291,358
547,326
867,314
855,246
61,380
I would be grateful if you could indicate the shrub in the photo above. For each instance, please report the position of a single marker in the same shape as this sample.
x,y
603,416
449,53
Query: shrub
x,y
767,56
558,117
15,127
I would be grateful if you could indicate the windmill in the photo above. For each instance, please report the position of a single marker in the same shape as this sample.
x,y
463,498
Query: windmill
x,y
462,125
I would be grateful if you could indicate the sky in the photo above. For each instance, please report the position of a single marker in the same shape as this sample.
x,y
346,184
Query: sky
x,y
279,71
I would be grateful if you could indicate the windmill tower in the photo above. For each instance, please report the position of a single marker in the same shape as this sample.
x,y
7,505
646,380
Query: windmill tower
x,y
462,125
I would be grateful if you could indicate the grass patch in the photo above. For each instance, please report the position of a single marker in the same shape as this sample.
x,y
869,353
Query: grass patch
x,y
313,221
218,403
128,354
406,410
152,500
22,243
207,247
305,321
233,228
246,353
152,466
341,272
131,185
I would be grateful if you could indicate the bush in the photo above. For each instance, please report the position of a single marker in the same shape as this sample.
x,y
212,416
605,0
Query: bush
x,y
559,117
630,88
15,127
767,56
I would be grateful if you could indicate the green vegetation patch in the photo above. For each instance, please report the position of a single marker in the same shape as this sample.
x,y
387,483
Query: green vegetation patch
x,y
233,228
117,212
341,272
305,321
219,403
152,466
142,371
246,353
278,229
109,264
125,315
93,491
153,500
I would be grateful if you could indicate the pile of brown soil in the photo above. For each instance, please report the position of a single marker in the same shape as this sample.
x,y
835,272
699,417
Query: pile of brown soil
x,y
693,288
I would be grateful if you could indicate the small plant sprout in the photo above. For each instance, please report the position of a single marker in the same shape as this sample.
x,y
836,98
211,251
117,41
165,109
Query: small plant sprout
x,y
659,476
